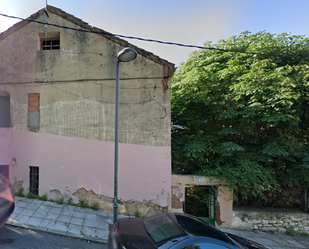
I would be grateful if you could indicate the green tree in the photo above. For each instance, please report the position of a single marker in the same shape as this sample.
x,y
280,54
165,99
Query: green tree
x,y
243,116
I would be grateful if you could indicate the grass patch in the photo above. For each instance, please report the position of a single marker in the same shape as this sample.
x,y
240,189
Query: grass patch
x,y
20,192
292,232
32,196
60,201
82,204
138,214
95,206
43,197
70,201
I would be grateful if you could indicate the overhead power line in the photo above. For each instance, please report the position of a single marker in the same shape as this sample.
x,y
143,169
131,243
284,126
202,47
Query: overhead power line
x,y
153,40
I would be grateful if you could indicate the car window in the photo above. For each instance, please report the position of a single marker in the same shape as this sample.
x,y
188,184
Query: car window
x,y
199,228
161,229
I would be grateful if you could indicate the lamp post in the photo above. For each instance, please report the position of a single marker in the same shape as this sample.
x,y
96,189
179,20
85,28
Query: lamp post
x,y
125,55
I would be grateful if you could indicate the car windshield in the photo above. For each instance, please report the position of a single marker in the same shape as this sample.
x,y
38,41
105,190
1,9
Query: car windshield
x,y
161,229
199,228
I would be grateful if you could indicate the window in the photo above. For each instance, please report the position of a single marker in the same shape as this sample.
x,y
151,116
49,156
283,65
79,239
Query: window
x,y
50,40
50,45
199,228
5,112
33,111
161,229
34,180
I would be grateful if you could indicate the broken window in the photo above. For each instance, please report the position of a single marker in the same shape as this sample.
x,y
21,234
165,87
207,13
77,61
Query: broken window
x,y
5,111
34,180
50,40
34,110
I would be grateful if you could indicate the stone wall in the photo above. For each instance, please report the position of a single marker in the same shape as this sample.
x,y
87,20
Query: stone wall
x,y
271,220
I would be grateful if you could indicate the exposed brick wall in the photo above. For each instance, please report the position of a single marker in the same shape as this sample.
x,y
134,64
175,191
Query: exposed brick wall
x,y
176,203
33,102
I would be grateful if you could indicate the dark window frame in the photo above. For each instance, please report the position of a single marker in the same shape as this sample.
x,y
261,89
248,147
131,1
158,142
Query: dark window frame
x,y
5,110
49,40
50,44
34,180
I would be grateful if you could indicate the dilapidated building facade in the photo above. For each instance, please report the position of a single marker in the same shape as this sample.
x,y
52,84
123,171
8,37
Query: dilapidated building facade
x,y
57,114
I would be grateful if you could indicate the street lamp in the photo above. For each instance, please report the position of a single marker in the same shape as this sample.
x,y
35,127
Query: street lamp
x,y
125,55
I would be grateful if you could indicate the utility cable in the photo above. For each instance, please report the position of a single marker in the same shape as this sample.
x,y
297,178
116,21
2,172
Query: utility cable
x,y
104,33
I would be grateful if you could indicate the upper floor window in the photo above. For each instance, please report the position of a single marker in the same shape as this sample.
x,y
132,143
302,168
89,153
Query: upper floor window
x,y
5,113
50,40
51,45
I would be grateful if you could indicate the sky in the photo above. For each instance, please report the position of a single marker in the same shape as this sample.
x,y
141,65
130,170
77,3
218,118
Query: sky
x,y
181,21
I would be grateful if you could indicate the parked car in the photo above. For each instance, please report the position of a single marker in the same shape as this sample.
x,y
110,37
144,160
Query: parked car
x,y
172,230
7,203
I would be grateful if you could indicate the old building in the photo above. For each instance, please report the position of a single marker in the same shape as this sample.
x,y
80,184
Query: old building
x,y
57,115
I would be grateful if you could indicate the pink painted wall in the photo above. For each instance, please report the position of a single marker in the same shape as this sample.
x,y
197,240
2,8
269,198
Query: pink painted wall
x,y
73,163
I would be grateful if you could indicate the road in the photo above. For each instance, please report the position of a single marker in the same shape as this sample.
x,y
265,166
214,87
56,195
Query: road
x,y
18,238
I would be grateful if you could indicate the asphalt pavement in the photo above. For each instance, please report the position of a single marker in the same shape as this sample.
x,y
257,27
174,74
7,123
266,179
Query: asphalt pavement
x,y
91,225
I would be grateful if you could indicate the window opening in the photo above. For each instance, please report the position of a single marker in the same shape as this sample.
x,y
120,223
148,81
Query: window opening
x,y
50,40
50,45
33,111
34,180
5,111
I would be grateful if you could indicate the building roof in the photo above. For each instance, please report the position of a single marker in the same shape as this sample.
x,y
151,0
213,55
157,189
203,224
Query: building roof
x,y
169,68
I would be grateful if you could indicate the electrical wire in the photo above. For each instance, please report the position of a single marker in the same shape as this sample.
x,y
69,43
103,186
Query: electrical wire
x,y
104,101
104,33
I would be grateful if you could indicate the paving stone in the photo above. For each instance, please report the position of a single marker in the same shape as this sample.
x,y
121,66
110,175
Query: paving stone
x,y
78,214
34,221
65,218
90,216
69,207
77,221
67,212
46,223
23,219
59,226
75,229
102,234
56,210
17,210
22,204
27,212
89,231
52,216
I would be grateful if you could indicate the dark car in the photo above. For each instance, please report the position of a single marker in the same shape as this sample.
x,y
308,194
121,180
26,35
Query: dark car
x,y
173,230
7,203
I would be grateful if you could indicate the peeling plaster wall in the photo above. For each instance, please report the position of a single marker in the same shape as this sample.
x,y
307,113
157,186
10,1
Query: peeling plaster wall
x,y
74,144
68,164
77,86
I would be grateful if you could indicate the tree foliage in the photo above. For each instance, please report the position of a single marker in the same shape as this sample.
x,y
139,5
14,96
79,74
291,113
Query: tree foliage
x,y
244,116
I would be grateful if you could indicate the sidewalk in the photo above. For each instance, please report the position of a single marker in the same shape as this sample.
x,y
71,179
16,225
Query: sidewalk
x,y
85,223
66,220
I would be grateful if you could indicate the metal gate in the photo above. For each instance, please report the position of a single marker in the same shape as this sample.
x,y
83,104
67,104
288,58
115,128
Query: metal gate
x,y
200,202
